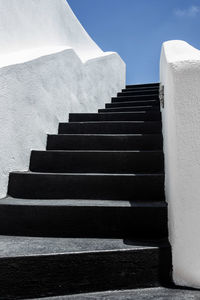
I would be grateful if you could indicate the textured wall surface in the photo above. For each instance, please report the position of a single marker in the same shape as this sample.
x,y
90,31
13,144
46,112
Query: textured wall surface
x,y
180,75
35,24
49,67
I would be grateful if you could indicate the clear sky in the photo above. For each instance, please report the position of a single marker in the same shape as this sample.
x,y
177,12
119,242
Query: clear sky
x,y
136,29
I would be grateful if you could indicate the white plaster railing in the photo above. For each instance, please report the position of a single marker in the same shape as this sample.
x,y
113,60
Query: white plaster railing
x,y
180,75
49,67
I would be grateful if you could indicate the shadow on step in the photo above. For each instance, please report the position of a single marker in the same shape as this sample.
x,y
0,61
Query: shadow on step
x,y
164,257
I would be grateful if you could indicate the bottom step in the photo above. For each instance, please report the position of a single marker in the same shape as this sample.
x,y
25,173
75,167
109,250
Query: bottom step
x,y
39,267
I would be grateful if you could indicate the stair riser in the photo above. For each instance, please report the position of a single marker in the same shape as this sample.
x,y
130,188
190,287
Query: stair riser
x,y
142,116
106,142
132,98
110,128
84,222
141,90
104,187
139,95
148,85
36,276
129,109
131,103
97,162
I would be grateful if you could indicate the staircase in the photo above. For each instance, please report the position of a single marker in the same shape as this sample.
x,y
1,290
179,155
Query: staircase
x,y
90,215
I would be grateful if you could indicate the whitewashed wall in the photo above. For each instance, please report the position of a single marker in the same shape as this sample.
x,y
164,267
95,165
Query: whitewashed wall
x,y
180,75
35,24
49,66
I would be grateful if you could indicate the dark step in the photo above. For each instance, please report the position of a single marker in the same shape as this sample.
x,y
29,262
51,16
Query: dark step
x,y
87,186
142,91
130,109
105,142
83,219
146,85
129,103
141,95
128,127
34,267
133,98
126,116
97,161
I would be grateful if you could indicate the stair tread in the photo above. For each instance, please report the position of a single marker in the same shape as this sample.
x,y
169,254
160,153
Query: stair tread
x,y
88,174
133,103
98,151
108,122
118,113
138,89
107,135
128,109
15,246
80,202
129,103
140,107
143,84
152,92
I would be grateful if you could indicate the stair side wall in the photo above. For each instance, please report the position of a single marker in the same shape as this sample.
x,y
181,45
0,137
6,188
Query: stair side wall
x,y
180,75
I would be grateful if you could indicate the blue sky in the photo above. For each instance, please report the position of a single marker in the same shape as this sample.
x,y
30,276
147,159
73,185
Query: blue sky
x,y
136,29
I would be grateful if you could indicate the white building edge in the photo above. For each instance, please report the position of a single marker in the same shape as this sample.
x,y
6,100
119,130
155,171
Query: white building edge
x,y
49,66
180,76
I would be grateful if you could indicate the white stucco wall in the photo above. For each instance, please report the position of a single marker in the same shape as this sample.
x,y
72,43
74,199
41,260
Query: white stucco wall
x,y
35,24
49,66
180,75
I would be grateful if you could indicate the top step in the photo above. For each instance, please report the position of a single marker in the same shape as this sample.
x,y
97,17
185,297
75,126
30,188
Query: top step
x,y
148,85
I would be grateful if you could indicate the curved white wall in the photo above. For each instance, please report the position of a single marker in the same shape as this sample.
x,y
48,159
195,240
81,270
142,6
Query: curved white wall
x,y
49,67
180,75
33,24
